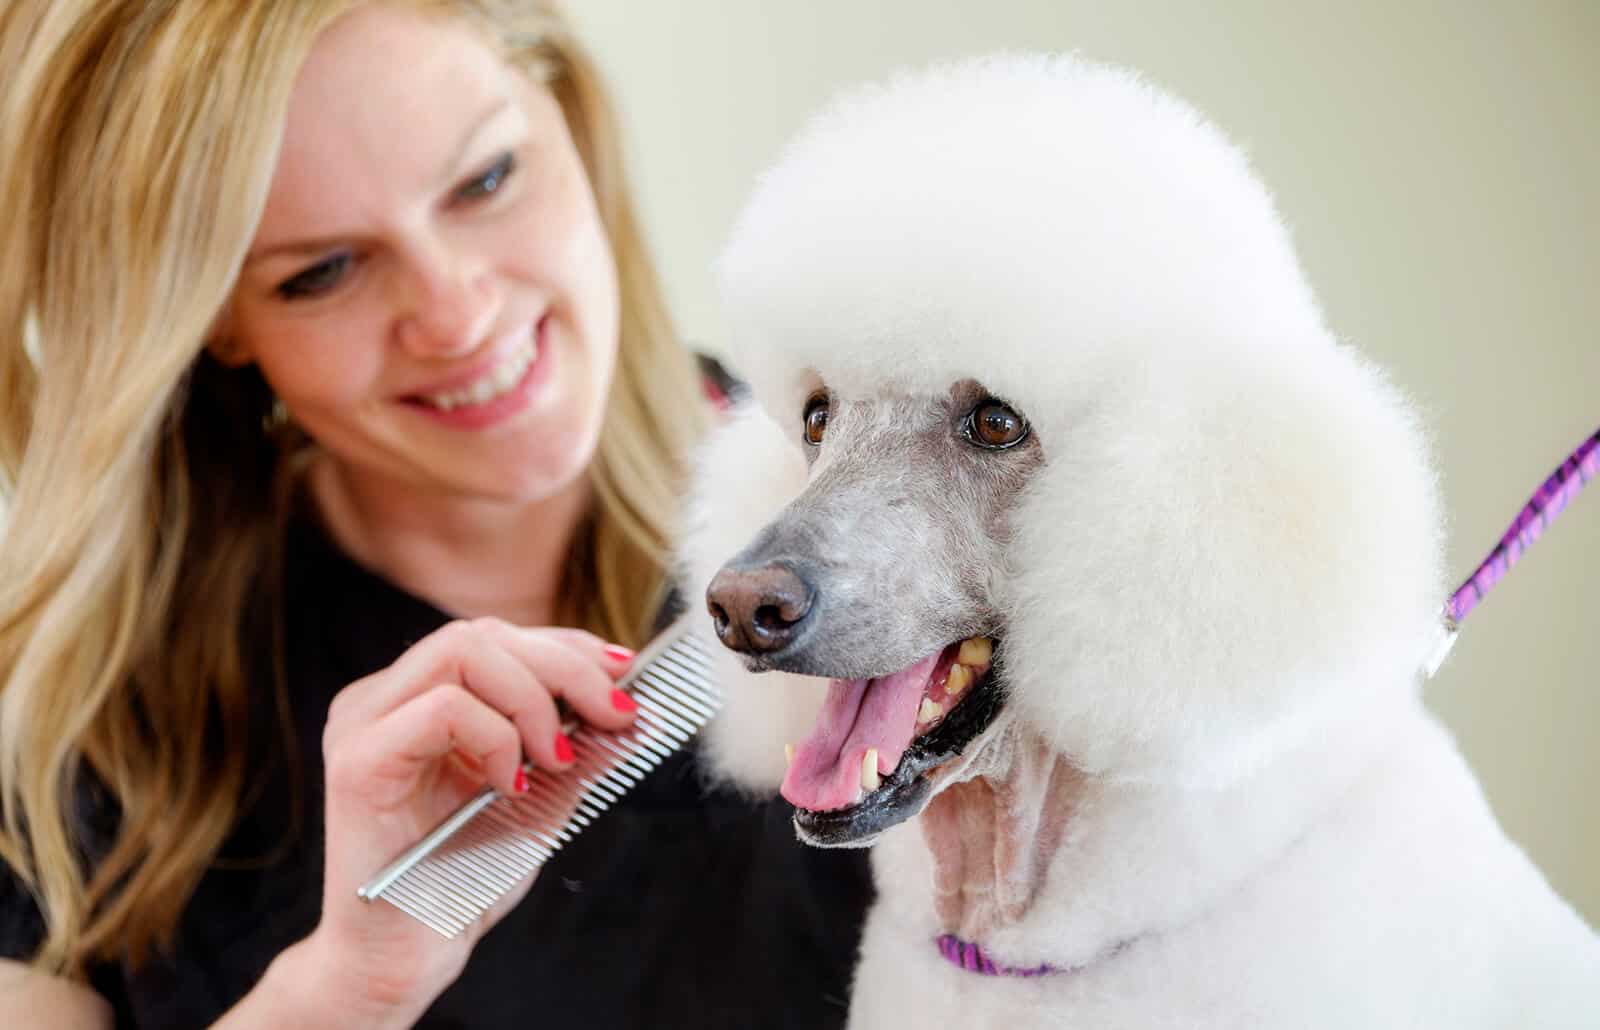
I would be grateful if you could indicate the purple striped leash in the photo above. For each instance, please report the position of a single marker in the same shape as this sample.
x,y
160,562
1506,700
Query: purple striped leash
x,y
1547,502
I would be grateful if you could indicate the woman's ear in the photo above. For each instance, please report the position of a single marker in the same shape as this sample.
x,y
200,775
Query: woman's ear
x,y
225,347
229,351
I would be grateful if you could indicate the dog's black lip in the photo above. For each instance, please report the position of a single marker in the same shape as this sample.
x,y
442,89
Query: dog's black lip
x,y
904,792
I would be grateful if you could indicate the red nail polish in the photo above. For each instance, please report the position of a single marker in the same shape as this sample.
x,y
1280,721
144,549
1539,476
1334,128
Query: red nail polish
x,y
521,784
622,702
563,748
618,654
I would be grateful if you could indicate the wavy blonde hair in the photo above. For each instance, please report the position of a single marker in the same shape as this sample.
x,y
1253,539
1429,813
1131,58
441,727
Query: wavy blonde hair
x,y
145,500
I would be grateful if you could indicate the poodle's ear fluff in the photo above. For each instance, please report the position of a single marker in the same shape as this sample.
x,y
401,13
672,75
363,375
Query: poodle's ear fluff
x,y
744,474
1223,560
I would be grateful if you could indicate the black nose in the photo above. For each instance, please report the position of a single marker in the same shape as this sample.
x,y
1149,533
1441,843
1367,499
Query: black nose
x,y
758,610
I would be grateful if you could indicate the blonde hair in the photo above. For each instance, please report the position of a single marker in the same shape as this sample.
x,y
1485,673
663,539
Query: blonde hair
x,y
139,139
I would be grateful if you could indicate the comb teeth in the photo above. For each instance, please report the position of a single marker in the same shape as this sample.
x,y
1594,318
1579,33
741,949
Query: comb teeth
x,y
495,841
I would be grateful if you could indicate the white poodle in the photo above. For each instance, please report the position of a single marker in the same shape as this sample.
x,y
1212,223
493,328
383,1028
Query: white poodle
x,y
1088,576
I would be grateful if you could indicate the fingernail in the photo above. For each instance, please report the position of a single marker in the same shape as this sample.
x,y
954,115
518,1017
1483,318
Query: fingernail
x,y
563,748
622,702
618,654
521,784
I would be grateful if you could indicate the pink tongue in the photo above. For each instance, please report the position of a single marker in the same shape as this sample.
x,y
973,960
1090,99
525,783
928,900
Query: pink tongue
x,y
858,714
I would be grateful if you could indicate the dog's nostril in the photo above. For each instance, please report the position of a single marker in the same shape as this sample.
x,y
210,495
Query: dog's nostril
x,y
769,619
719,616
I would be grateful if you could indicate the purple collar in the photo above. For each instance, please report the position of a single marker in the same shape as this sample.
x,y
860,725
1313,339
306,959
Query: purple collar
x,y
970,956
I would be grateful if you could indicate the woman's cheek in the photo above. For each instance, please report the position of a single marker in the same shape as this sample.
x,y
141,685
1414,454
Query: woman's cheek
x,y
337,365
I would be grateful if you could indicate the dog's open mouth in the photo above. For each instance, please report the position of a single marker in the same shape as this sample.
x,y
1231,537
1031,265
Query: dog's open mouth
x,y
871,760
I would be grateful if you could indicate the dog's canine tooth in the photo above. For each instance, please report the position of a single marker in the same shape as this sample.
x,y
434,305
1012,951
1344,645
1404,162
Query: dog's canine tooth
x,y
976,651
788,754
869,770
929,711
958,680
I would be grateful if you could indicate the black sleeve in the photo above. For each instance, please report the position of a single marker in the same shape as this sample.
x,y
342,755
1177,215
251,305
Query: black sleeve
x,y
22,931
94,819
21,924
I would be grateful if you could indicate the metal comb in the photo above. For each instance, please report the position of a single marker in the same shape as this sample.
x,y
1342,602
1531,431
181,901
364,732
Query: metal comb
x,y
470,861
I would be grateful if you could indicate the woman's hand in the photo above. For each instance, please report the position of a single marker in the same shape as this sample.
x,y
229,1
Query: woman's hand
x,y
405,747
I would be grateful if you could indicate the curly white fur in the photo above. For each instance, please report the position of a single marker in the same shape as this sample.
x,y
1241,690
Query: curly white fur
x,y
743,476
1221,585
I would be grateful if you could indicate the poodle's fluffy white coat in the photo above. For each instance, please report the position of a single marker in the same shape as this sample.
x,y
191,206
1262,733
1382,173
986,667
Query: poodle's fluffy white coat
x,y
1220,590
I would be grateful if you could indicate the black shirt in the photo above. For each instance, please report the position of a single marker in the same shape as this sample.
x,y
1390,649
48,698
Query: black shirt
x,y
683,906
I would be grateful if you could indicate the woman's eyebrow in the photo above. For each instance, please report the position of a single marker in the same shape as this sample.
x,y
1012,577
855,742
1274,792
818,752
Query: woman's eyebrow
x,y
319,244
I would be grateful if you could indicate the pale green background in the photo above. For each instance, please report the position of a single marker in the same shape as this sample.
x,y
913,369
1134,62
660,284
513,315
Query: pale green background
x,y
1438,166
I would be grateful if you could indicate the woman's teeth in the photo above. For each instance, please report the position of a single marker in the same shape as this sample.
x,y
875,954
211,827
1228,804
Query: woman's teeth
x,y
497,382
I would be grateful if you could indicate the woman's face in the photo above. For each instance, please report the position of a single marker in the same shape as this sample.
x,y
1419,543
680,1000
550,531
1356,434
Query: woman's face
x,y
430,291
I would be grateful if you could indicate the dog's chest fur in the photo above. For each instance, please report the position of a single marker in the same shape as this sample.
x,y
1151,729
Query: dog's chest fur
x,y
1349,915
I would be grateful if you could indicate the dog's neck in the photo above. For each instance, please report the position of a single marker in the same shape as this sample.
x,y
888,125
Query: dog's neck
x,y
1040,863
992,838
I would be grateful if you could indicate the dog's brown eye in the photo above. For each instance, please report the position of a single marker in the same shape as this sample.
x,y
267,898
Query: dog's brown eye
x,y
995,426
816,420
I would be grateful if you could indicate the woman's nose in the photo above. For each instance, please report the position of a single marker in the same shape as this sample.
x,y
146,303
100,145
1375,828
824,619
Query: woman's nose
x,y
451,306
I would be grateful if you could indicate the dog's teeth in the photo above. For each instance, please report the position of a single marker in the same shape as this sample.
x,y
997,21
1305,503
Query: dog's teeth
x,y
976,651
929,711
960,676
869,770
788,754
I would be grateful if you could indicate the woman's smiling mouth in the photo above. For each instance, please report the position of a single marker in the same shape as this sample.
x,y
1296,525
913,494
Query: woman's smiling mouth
x,y
496,393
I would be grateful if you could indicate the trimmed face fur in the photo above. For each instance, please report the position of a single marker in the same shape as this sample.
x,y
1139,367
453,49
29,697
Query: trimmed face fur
x,y
881,576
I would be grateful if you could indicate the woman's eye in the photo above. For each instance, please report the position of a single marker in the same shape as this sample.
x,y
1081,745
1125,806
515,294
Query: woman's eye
x,y
994,426
316,280
490,181
816,418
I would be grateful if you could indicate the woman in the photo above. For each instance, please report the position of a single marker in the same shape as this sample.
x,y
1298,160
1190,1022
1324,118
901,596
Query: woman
x,y
331,363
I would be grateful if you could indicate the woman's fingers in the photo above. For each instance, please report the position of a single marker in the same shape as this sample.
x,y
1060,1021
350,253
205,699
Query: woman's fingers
x,y
540,725
387,756
476,653
516,672
614,658
455,653
574,667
